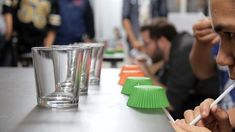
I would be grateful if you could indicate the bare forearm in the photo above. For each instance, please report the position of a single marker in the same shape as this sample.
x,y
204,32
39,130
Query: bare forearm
x,y
202,61
9,26
129,31
151,75
49,39
154,68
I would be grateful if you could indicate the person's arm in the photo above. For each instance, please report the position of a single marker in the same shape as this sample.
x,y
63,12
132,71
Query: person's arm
x,y
49,39
128,26
130,34
154,68
147,71
8,18
9,26
201,58
54,21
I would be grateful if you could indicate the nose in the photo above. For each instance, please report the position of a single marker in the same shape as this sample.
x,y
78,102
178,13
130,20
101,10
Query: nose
x,y
225,56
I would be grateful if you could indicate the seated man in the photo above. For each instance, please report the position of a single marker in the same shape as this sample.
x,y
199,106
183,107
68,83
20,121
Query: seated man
x,y
184,90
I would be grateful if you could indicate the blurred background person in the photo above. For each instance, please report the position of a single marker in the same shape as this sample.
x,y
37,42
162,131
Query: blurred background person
x,y
151,50
77,22
31,23
136,13
184,89
5,49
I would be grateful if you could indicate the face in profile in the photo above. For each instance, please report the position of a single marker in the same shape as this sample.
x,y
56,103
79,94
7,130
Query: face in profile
x,y
150,46
223,18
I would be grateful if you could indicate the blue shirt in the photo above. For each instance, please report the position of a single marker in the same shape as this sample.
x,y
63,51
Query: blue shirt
x,y
225,81
76,21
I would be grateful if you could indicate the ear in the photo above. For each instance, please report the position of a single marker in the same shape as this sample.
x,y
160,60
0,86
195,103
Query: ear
x,y
164,39
162,42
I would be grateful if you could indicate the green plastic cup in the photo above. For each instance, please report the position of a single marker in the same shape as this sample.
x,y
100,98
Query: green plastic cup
x,y
131,82
149,97
109,52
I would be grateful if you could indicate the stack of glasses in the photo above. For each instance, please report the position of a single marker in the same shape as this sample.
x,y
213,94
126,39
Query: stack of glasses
x,y
63,73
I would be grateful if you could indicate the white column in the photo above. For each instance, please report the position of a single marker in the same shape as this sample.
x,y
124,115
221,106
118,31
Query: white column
x,y
183,6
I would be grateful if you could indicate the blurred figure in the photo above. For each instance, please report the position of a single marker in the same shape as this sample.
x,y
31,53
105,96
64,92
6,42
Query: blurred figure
x,y
137,12
150,48
77,22
152,51
5,50
31,23
118,40
184,90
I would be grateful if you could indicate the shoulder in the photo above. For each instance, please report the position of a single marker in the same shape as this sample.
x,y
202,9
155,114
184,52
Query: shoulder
x,y
185,41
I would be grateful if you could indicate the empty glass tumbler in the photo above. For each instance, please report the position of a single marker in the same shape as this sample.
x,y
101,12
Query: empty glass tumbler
x,y
85,69
57,75
96,63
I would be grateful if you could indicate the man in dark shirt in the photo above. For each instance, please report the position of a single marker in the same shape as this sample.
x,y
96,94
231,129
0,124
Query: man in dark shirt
x,y
184,90
33,22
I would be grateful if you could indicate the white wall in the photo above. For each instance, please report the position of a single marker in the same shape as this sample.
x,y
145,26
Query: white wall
x,y
107,16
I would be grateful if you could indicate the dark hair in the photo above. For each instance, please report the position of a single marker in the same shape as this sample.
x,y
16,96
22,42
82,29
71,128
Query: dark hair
x,y
145,28
163,29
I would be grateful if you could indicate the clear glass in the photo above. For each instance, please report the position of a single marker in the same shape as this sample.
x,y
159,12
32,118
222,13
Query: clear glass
x,y
57,72
86,62
96,63
85,65
97,52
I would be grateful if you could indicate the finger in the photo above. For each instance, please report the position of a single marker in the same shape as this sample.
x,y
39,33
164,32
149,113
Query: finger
x,y
208,38
182,121
216,40
201,33
177,128
191,128
183,126
196,113
205,107
188,116
202,25
222,118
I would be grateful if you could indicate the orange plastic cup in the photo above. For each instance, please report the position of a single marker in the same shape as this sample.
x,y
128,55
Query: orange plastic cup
x,y
132,73
129,68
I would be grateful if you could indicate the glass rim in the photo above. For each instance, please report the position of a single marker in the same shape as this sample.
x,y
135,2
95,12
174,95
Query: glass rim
x,y
65,47
55,48
41,48
90,44
72,46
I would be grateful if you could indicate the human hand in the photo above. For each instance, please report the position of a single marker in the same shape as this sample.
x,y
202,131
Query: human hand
x,y
204,33
214,119
137,45
182,126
